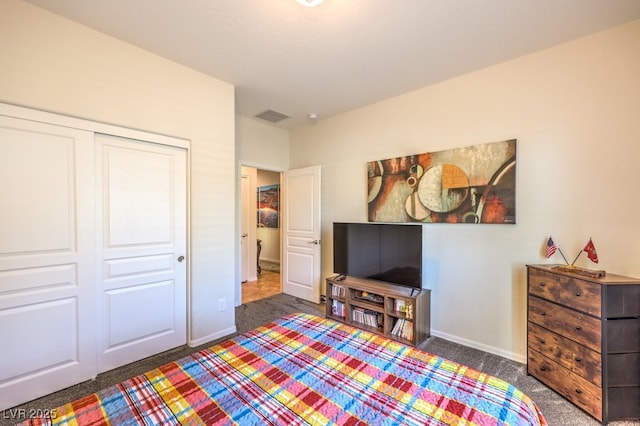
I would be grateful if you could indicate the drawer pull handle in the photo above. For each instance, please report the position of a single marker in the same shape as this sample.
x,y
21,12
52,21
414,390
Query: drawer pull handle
x,y
578,390
578,359
543,368
578,294
542,284
578,328
542,341
543,313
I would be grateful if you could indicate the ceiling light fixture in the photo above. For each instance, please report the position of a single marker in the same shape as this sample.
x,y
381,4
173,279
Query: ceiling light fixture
x,y
310,3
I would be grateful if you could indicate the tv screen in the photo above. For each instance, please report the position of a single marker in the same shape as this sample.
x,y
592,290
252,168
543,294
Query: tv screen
x,y
379,251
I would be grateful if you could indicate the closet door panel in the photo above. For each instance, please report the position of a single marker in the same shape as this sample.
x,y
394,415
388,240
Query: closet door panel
x,y
142,249
47,267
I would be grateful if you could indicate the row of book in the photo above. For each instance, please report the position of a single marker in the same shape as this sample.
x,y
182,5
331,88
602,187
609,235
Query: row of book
x,y
338,309
338,291
403,328
367,317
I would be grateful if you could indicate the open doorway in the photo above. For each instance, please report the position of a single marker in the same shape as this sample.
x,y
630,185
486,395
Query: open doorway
x,y
261,234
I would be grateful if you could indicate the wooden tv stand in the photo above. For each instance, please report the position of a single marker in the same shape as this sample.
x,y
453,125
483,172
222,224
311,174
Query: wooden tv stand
x,y
391,310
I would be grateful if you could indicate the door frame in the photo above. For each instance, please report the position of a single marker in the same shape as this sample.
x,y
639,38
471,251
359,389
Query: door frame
x,y
254,223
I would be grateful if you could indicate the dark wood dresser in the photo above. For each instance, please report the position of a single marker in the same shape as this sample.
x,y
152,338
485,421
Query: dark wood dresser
x,y
583,339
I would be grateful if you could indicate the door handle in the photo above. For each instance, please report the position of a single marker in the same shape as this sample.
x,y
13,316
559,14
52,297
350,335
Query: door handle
x,y
244,235
315,242
180,258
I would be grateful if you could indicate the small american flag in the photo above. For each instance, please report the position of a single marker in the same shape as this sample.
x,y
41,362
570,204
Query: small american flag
x,y
551,247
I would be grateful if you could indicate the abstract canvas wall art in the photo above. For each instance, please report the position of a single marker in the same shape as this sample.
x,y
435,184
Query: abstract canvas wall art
x,y
475,184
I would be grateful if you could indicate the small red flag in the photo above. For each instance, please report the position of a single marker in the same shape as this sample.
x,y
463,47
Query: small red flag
x,y
591,251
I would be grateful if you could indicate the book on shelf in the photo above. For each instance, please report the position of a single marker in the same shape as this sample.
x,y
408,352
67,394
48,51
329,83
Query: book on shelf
x,y
367,317
403,328
338,291
396,327
338,309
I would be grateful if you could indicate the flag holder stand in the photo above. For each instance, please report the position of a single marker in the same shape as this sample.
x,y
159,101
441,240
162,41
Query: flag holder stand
x,y
591,252
580,271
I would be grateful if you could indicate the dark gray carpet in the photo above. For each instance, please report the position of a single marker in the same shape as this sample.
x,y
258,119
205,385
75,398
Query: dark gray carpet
x,y
251,315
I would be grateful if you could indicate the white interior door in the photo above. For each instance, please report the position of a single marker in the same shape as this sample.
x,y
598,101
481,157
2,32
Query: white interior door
x,y
141,249
301,233
47,267
244,240
248,224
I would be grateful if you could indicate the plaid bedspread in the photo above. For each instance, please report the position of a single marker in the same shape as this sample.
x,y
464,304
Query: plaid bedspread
x,y
306,370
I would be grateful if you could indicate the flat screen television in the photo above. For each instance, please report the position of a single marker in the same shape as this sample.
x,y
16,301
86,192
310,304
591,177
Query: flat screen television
x,y
379,251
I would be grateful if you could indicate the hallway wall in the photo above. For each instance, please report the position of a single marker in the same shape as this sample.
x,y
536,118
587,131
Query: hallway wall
x,y
270,236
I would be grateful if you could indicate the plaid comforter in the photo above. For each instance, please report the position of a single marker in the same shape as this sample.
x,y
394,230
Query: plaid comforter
x,y
306,370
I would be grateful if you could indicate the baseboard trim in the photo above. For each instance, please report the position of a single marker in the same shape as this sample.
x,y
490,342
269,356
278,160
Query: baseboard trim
x,y
211,337
481,346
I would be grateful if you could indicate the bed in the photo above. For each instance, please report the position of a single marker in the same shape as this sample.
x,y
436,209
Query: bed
x,y
305,370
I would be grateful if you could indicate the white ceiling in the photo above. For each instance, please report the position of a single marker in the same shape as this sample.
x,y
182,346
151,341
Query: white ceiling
x,y
343,54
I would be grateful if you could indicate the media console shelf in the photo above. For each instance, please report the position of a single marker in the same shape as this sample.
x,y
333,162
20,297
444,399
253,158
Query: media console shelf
x,y
393,311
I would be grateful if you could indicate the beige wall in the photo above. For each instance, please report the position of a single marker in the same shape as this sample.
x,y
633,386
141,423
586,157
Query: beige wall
x,y
574,111
50,63
262,145
572,108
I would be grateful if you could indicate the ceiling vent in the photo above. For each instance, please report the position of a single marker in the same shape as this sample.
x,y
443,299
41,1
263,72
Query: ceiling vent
x,y
272,116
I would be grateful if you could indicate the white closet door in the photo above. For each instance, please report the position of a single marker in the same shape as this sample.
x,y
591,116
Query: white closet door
x,y
47,263
142,218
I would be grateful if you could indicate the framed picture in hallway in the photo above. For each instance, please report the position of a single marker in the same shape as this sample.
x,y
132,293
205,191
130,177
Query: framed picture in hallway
x,y
269,206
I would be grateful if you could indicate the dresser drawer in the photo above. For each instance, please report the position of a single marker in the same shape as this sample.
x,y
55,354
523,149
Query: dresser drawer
x,y
576,389
623,301
579,359
623,370
624,403
623,335
565,322
581,295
